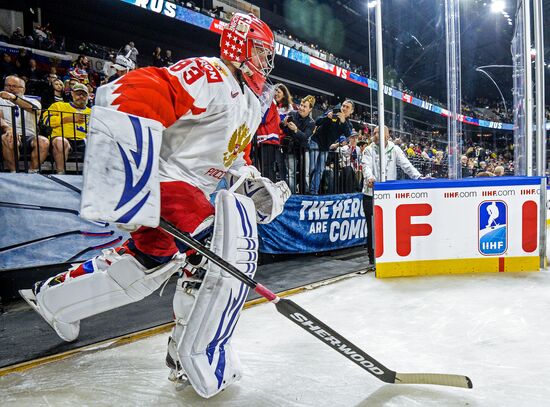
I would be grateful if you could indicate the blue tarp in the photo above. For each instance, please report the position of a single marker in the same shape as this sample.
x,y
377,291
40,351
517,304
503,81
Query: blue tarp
x,y
308,224
23,224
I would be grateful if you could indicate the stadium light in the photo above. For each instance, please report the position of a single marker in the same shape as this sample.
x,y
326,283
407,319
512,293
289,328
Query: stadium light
x,y
371,4
498,6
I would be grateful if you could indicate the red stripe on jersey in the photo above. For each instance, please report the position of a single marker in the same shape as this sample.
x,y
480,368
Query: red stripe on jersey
x,y
197,110
246,154
155,94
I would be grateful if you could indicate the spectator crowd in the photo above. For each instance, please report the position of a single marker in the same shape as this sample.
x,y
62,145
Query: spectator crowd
x,y
314,142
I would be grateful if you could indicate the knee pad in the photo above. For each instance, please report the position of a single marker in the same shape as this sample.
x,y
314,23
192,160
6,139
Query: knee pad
x,y
205,322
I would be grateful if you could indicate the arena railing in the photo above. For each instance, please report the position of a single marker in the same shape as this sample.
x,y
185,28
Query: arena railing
x,y
291,163
73,159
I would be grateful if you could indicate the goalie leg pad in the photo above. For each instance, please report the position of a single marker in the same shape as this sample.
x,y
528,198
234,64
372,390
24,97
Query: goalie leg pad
x,y
98,285
202,337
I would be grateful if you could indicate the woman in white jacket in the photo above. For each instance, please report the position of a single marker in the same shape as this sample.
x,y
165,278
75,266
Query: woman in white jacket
x,y
370,162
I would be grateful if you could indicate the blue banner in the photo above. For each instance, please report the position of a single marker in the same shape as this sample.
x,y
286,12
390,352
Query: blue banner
x,y
311,224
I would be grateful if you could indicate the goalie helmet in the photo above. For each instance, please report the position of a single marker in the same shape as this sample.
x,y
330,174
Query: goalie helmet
x,y
248,43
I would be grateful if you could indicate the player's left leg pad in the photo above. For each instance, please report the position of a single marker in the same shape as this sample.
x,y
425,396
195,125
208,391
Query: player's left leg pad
x,y
103,283
202,339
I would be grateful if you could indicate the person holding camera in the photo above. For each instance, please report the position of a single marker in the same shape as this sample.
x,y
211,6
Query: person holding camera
x,y
328,129
283,99
297,128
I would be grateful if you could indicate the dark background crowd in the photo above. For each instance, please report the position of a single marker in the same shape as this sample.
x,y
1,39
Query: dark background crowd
x,y
484,152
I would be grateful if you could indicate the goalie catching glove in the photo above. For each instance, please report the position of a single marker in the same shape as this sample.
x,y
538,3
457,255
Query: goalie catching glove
x,y
269,197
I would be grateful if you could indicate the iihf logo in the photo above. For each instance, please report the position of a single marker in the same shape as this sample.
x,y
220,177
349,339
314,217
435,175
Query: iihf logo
x,y
492,228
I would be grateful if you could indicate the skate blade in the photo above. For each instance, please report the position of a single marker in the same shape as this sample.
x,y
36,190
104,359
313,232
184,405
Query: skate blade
x,y
30,299
180,383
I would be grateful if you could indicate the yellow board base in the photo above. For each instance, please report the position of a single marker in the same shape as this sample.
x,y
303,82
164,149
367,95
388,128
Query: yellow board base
x,y
457,266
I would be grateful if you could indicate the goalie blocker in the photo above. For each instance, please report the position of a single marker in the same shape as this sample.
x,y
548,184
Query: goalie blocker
x,y
127,191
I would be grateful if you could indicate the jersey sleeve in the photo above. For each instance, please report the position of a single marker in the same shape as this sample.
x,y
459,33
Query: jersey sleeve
x,y
269,131
52,116
163,94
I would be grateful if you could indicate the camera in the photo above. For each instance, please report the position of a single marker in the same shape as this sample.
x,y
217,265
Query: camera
x,y
289,119
335,111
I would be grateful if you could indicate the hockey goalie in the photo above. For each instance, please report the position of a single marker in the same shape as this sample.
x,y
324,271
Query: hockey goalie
x,y
160,141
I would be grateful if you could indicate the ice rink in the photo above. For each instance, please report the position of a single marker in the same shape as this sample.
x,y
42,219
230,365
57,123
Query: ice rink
x,y
495,328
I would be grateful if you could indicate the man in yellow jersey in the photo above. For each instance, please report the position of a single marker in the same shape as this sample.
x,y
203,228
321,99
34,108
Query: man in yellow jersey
x,y
69,123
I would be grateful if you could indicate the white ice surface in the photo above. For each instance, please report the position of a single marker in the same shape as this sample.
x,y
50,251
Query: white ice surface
x,y
495,328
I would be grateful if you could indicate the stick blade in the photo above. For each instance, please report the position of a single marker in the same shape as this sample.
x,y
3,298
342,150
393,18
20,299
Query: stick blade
x,y
311,324
452,380
333,339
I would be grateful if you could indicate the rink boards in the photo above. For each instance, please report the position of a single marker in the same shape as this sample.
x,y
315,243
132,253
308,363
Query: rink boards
x,y
448,227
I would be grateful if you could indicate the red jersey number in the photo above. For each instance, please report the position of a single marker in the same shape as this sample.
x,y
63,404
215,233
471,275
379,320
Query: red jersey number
x,y
191,72
178,66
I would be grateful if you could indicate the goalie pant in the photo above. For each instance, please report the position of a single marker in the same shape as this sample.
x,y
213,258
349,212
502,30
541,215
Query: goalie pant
x,y
200,345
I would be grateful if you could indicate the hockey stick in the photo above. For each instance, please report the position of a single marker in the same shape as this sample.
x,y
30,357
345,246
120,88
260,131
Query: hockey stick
x,y
46,238
48,209
61,182
315,327
99,246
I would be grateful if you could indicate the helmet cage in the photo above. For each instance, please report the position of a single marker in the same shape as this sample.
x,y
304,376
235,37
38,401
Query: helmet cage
x,y
248,44
260,56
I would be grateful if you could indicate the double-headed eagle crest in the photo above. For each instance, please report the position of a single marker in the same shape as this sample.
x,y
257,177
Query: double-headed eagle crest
x,y
239,140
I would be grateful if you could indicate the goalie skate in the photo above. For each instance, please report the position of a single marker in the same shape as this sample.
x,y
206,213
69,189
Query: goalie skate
x,y
66,331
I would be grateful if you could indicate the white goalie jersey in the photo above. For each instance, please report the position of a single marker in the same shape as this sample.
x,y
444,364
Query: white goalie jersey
x,y
208,118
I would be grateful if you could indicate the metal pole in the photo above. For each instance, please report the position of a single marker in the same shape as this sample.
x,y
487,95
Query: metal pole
x,y
370,59
541,124
393,125
528,74
401,108
454,126
542,223
380,74
539,88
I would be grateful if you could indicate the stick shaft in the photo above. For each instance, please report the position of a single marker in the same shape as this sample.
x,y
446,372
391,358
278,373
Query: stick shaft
x,y
288,308
63,183
329,336
96,247
48,209
37,207
210,255
46,238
